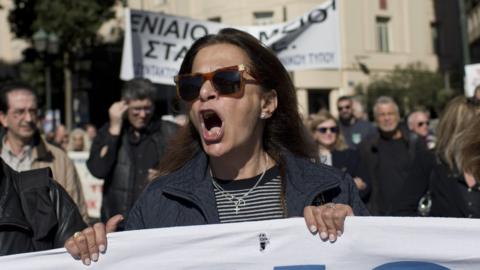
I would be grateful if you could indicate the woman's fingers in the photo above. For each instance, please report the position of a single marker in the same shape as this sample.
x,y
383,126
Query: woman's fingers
x,y
113,222
329,214
322,227
100,237
72,248
91,243
81,241
328,219
310,219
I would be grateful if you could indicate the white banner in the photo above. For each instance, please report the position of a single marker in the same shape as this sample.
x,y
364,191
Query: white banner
x,y
156,43
472,78
381,243
92,187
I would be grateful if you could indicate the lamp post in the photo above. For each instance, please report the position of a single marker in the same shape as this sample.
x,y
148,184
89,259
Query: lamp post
x,y
47,45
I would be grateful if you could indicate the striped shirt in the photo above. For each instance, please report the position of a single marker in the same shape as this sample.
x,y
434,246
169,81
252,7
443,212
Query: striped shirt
x,y
262,203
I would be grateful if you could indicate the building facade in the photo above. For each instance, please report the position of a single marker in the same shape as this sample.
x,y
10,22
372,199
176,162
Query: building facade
x,y
376,36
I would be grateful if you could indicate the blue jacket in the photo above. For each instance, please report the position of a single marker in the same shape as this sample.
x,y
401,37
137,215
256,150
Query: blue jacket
x,y
186,197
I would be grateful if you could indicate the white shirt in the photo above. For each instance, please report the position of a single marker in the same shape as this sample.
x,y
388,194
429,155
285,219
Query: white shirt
x,y
22,162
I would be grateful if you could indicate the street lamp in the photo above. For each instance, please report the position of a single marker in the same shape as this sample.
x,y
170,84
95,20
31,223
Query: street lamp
x,y
46,44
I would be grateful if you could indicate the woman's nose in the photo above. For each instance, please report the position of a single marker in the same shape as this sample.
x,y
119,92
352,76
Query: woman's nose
x,y
207,91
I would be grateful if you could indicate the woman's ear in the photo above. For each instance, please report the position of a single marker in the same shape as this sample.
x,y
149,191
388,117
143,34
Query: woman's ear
x,y
269,103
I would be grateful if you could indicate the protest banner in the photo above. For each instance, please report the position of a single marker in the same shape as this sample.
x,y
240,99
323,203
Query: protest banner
x,y
156,43
91,186
380,243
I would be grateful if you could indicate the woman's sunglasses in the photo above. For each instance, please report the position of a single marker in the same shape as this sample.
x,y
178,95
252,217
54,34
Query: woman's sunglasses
x,y
325,129
226,81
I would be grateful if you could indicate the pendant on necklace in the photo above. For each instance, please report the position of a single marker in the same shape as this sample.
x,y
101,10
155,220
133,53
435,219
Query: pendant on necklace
x,y
238,203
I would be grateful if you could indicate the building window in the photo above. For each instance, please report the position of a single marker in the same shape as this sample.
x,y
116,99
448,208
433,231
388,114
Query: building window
x,y
215,19
434,27
382,4
382,34
263,17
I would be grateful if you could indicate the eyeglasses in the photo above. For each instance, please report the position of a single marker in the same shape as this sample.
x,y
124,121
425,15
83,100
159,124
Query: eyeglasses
x,y
226,81
18,113
325,129
420,124
341,108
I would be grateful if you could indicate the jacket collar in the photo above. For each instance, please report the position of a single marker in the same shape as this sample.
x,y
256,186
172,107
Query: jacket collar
x,y
194,183
305,179
40,151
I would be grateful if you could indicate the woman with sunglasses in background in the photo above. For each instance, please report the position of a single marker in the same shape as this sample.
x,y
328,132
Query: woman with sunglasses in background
x,y
244,154
333,150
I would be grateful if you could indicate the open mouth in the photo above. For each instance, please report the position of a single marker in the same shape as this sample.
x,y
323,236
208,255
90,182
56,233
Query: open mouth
x,y
212,126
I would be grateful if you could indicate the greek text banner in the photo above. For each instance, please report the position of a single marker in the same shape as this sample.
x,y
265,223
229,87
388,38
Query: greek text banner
x,y
156,43
368,243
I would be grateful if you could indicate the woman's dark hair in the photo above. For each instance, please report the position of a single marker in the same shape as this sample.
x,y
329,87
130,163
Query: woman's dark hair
x,y
284,130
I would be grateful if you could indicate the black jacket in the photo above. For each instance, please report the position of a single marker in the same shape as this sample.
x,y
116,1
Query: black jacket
x,y
117,167
349,161
432,174
36,213
369,154
186,197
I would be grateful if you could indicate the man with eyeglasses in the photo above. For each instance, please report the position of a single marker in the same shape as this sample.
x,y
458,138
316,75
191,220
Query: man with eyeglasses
x,y
127,150
22,147
419,124
354,130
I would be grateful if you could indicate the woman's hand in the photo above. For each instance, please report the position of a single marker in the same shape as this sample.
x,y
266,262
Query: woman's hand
x,y
87,244
327,219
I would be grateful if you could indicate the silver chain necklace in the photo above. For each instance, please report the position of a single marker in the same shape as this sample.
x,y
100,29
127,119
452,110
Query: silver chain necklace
x,y
239,201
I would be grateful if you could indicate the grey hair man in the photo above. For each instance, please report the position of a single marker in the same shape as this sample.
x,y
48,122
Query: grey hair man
x,y
388,157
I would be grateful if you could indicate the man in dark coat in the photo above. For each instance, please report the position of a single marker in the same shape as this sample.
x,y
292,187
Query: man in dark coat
x,y
127,150
388,156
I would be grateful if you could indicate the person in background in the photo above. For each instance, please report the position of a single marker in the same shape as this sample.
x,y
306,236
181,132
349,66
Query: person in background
x,y
22,147
354,130
129,147
61,137
476,94
333,150
359,110
91,131
243,154
438,186
387,157
468,158
78,141
418,124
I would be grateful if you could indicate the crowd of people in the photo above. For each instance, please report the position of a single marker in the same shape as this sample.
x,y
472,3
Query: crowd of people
x,y
243,153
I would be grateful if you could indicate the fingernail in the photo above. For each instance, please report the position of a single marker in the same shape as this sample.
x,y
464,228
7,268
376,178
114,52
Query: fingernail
x,y
102,248
323,235
87,261
95,257
339,233
313,229
332,238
